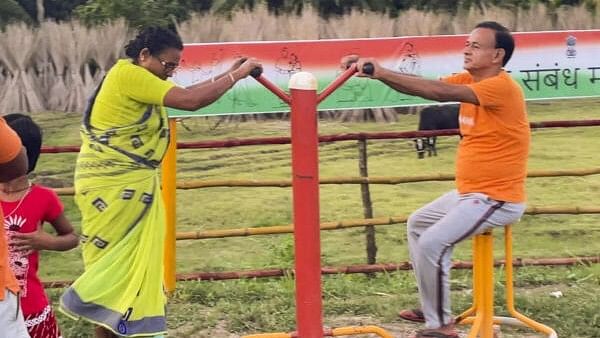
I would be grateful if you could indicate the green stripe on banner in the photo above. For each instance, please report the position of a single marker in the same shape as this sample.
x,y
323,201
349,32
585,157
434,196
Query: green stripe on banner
x,y
354,95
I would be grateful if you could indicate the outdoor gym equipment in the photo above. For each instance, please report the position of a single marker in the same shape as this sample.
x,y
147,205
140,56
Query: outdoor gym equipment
x,y
303,100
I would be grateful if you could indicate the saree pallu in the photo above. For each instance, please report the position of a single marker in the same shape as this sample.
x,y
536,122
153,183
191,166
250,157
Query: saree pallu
x,y
117,190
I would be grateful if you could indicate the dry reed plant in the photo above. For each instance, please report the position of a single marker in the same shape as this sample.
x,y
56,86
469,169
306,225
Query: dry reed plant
x,y
19,45
57,89
77,46
202,28
246,26
306,26
466,20
536,18
107,47
358,24
577,17
415,23
50,69
505,16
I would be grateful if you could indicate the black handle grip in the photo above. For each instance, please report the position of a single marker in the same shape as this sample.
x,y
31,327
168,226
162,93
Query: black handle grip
x,y
256,72
368,68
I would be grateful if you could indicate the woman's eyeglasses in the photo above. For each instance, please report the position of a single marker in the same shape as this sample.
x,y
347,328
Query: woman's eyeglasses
x,y
168,65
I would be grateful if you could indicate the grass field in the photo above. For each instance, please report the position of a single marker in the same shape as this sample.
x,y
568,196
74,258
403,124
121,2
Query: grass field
x,y
231,308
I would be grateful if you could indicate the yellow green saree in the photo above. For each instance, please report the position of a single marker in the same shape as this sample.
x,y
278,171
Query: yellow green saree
x,y
118,193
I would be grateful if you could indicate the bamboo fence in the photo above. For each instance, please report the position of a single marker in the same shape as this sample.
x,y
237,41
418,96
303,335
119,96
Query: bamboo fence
x,y
368,222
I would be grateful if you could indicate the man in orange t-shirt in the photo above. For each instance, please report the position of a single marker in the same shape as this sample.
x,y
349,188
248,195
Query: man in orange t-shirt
x,y
13,163
491,165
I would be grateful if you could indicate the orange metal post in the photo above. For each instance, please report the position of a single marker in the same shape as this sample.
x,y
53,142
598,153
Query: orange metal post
x,y
510,304
169,173
271,335
359,330
483,291
486,286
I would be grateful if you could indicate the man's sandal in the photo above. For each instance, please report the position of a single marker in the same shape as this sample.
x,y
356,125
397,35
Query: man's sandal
x,y
414,315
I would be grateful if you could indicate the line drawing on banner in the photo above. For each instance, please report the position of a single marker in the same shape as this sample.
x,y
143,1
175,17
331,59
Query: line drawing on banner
x,y
287,64
408,61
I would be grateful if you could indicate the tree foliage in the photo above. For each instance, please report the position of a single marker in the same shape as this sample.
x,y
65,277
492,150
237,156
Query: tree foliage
x,y
137,12
11,11
58,10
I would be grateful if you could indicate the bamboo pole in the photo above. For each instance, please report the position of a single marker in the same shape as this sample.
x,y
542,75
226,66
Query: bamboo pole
x,y
337,137
355,223
197,184
366,202
360,268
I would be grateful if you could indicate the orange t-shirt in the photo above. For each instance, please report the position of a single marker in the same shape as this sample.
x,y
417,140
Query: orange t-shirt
x,y
10,146
492,155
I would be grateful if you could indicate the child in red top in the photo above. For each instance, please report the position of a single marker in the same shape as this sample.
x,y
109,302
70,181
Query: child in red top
x,y
26,207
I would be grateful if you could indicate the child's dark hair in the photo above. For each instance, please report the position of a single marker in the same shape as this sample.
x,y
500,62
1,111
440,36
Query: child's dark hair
x,y
30,134
156,39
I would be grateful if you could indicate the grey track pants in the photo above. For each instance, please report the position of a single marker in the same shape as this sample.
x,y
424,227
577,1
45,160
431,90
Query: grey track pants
x,y
12,324
433,231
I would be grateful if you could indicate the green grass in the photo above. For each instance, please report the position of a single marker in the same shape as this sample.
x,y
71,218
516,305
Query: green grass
x,y
267,305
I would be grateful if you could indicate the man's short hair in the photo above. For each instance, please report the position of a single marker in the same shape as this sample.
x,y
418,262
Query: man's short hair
x,y
504,39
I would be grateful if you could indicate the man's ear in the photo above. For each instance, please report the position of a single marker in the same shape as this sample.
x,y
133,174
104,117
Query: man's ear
x,y
499,55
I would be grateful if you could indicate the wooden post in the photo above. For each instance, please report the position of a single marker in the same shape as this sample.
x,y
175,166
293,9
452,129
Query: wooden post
x,y
366,201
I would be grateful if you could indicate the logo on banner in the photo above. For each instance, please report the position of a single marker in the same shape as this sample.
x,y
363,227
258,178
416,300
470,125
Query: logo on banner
x,y
571,51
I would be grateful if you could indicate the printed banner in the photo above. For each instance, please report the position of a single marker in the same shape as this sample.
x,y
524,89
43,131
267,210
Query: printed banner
x,y
548,65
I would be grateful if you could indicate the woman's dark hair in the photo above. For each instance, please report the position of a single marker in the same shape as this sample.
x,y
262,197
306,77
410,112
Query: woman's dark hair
x,y
504,39
156,39
30,134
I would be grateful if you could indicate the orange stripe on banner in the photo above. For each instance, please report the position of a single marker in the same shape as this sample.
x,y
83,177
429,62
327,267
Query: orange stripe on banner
x,y
318,53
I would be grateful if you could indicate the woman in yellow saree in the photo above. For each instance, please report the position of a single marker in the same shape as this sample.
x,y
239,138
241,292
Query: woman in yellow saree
x,y
124,137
